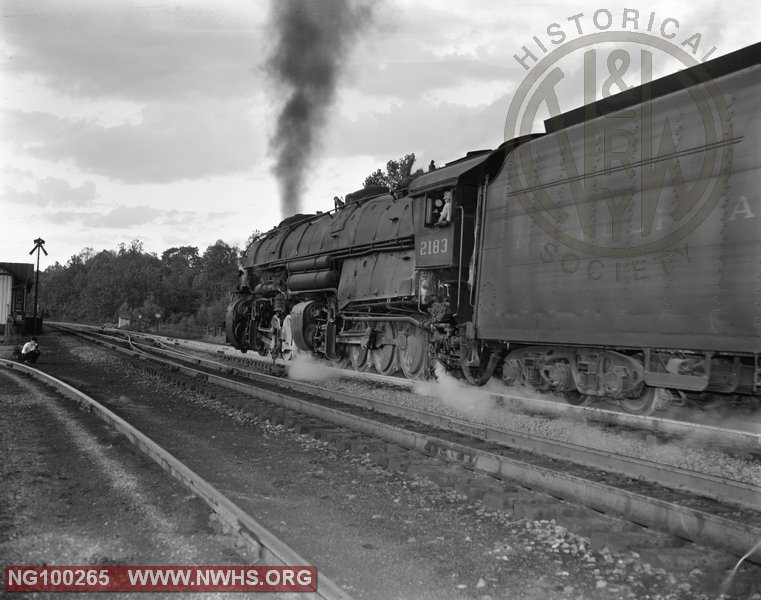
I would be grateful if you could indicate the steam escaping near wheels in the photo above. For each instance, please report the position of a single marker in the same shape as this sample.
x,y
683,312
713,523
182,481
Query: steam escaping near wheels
x,y
302,366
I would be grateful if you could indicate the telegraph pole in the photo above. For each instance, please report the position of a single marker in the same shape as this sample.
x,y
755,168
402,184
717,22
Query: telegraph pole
x,y
39,244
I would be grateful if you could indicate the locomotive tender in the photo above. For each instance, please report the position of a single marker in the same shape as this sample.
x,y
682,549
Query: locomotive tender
x,y
636,278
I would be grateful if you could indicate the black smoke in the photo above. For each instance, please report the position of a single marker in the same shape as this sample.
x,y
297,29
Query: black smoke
x,y
312,38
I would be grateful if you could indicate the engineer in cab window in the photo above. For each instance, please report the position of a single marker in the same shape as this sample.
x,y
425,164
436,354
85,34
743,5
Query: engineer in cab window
x,y
445,216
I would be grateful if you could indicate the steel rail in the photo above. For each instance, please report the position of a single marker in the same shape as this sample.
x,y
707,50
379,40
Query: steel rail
x,y
265,545
738,539
700,432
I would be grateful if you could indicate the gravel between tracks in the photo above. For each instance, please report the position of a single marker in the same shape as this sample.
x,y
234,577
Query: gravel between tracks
x,y
386,535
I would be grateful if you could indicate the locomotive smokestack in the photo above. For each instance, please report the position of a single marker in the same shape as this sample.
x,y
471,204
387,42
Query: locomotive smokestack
x,y
311,39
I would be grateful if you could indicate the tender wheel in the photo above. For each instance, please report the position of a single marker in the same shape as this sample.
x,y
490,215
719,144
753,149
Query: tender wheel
x,y
644,405
385,357
413,351
478,374
576,398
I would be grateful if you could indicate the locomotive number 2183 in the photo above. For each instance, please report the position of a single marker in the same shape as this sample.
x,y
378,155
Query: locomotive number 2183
x,y
440,246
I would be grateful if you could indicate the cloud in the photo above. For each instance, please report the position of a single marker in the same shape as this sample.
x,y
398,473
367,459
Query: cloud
x,y
190,140
407,58
129,220
46,191
123,217
414,79
63,217
442,131
133,92
127,50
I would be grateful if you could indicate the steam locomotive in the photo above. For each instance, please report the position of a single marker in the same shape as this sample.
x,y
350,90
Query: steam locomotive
x,y
576,261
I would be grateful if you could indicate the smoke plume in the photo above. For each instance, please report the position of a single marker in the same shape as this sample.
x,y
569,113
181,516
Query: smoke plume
x,y
311,40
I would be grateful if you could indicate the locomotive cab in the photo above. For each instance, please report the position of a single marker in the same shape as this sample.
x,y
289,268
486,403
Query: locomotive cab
x,y
445,203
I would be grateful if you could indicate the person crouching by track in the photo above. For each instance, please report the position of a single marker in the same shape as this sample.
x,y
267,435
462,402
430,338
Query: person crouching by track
x,y
30,352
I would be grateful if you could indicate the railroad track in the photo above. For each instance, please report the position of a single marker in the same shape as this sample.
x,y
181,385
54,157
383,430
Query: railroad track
x,y
663,428
709,510
266,547
698,435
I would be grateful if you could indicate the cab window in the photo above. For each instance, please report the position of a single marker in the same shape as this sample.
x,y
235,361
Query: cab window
x,y
439,208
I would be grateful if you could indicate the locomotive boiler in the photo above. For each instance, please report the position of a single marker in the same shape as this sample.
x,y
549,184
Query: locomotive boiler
x,y
630,273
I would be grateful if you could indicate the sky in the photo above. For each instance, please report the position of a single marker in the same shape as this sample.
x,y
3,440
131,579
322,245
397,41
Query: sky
x,y
163,121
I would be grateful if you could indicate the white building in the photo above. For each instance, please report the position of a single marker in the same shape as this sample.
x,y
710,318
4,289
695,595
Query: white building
x,y
16,281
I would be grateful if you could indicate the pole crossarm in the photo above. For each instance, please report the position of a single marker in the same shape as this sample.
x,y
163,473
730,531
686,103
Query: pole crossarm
x,y
39,244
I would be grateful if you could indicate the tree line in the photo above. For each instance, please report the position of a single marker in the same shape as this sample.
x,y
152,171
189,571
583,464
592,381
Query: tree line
x,y
189,289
